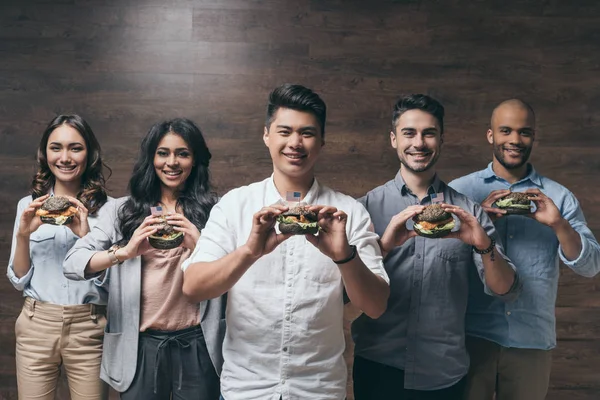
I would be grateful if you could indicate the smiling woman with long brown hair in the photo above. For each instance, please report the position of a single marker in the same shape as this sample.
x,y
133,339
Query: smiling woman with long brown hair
x,y
158,343
62,322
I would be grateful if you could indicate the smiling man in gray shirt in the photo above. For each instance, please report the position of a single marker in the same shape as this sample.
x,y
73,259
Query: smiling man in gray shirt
x,y
416,350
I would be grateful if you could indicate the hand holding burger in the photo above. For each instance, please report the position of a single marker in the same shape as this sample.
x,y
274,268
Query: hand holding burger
x,y
166,236
396,233
471,232
190,232
263,238
331,240
29,221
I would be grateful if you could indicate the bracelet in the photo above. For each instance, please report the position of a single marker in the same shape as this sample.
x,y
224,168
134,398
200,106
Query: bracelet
x,y
349,258
112,254
490,248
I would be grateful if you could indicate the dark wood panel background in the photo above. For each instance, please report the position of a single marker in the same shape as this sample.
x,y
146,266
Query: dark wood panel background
x,y
124,64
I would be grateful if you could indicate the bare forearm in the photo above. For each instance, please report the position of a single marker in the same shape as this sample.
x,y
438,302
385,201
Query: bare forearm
x,y
98,263
365,290
499,275
21,262
569,239
208,280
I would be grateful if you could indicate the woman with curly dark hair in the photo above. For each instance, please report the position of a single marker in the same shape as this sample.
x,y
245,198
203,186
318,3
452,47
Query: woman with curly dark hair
x,y
62,322
158,344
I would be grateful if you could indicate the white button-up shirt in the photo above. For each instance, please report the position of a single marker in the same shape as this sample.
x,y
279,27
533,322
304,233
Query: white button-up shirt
x,y
285,315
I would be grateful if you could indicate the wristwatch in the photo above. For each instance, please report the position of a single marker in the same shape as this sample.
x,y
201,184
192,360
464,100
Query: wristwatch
x,y
112,254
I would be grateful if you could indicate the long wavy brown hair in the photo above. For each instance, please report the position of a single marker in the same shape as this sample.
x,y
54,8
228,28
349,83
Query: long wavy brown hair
x,y
93,192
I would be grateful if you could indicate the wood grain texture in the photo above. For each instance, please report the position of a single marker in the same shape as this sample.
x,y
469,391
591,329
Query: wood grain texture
x,y
125,64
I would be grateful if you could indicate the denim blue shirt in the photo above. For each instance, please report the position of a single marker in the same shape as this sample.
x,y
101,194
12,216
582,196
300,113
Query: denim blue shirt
x,y
528,322
423,328
45,281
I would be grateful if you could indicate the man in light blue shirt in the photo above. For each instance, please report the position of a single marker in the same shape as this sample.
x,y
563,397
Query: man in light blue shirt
x,y
510,343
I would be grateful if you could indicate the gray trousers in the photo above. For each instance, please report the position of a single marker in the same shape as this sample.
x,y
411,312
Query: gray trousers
x,y
173,365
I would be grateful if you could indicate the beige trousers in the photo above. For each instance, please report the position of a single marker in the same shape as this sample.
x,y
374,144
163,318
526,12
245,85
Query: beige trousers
x,y
50,336
514,374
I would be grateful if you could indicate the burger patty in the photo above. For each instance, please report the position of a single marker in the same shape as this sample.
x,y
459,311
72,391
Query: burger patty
x,y
432,225
54,214
301,218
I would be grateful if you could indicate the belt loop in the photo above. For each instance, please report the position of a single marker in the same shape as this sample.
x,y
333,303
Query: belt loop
x,y
31,308
93,313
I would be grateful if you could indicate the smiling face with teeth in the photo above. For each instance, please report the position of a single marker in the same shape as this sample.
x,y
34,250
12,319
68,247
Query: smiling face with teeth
x,y
294,140
173,161
512,133
417,140
66,154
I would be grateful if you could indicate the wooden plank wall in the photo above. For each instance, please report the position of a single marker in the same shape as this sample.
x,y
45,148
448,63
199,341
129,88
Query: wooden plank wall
x,y
125,64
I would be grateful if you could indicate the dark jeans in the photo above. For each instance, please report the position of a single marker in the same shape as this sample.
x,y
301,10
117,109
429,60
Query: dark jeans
x,y
173,365
374,381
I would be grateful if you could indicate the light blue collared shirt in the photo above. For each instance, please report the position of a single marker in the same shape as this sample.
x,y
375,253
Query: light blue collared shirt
x,y
529,322
45,281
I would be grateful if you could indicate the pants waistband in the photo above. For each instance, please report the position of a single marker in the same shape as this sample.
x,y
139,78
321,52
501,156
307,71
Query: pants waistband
x,y
59,312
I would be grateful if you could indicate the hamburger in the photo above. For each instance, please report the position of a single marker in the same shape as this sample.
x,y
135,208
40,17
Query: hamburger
x,y
56,210
298,221
515,203
433,222
166,237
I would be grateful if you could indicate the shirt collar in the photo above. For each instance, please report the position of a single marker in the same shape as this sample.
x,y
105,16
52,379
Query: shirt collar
x,y
273,195
532,175
436,186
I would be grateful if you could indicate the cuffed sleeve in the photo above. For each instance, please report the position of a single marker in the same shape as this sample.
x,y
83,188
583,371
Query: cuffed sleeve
x,y
490,229
19,283
588,262
100,238
360,233
217,239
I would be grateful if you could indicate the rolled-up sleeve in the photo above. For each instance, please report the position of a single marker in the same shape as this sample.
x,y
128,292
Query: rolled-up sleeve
x,y
588,262
217,239
100,238
360,233
490,229
22,282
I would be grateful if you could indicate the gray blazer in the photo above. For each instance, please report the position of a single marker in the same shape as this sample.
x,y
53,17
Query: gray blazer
x,y
119,354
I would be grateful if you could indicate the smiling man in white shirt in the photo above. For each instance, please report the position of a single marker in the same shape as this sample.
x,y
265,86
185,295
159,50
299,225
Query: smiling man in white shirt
x,y
285,336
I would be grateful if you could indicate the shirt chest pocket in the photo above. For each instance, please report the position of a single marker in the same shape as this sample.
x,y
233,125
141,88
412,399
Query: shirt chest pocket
x,y
41,244
319,268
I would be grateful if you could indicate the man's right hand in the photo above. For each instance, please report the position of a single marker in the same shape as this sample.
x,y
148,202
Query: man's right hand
x,y
396,233
263,238
494,196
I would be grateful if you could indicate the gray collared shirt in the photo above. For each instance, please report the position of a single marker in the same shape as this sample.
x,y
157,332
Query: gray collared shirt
x,y
423,329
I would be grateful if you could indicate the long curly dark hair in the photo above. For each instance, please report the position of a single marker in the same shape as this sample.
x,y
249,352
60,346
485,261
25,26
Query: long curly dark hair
x,y
93,192
196,199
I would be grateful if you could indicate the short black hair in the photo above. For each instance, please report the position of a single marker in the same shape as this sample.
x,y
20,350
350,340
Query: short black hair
x,y
418,102
299,98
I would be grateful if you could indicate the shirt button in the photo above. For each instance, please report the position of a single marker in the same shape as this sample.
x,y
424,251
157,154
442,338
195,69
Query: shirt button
x,y
285,349
511,236
287,317
508,313
282,381
291,253
416,283
289,284
418,256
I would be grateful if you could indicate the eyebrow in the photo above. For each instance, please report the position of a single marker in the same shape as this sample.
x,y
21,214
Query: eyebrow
x,y
409,129
177,149
301,129
68,144
525,128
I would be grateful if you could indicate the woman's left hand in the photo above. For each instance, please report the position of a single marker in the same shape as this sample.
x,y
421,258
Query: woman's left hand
x,y
181,224
79,225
